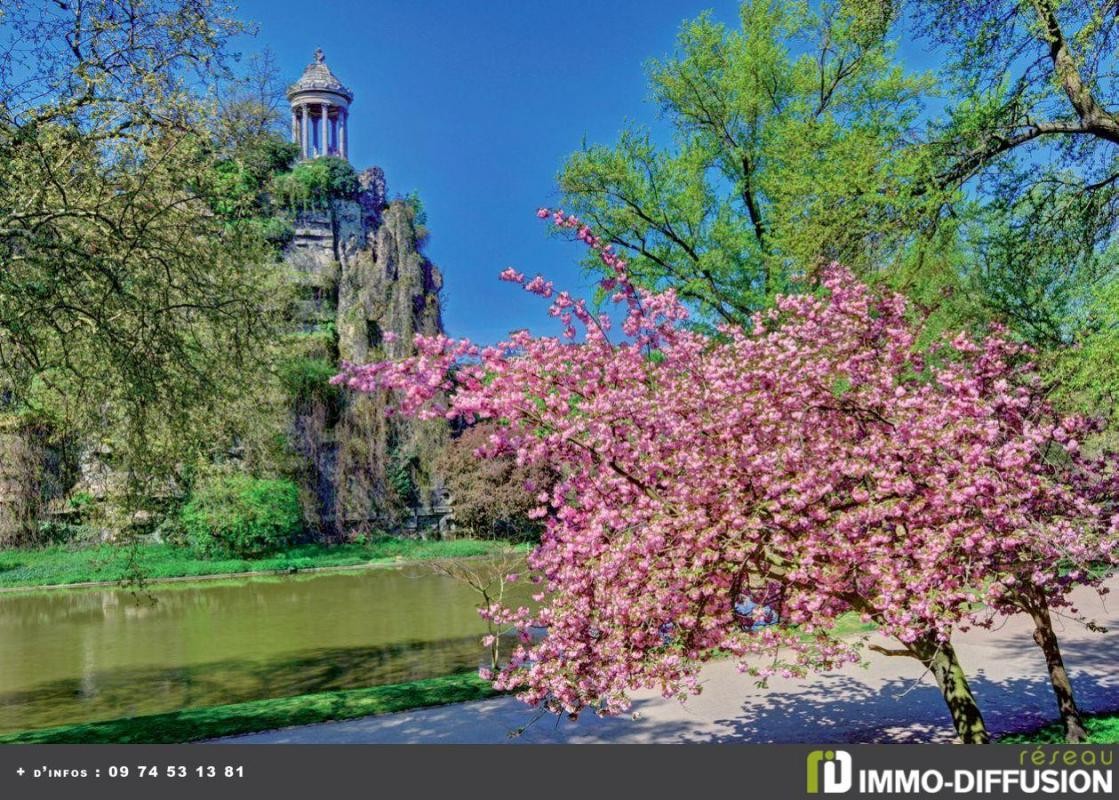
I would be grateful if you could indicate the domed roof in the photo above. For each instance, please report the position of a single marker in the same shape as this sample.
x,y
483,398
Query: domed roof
x,y
318,78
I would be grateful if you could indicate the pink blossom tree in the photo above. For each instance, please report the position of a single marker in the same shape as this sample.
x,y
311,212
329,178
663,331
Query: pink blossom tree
x,y
822,461
1051,551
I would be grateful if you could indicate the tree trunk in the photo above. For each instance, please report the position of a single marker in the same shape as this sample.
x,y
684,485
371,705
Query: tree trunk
x,y
1046,639
940,659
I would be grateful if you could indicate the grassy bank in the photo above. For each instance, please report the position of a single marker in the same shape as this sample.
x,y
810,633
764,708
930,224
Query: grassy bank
x,y
54,566
194,724
1102,729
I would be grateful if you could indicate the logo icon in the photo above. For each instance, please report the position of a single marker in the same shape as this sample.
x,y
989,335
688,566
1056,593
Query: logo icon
x,y
836,768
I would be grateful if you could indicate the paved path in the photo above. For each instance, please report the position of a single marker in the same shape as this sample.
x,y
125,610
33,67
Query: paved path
x,y
889,701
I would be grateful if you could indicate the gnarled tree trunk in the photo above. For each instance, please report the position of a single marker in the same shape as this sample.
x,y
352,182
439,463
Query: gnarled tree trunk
x,y
940,659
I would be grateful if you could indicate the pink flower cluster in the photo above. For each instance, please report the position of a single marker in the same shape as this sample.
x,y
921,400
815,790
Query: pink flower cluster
x,y
819,463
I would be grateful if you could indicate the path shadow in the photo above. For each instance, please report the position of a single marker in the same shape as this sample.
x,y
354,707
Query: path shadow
x,y
843,709
1005,668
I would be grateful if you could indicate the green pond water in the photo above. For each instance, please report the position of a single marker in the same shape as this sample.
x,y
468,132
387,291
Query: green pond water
x,y
81,655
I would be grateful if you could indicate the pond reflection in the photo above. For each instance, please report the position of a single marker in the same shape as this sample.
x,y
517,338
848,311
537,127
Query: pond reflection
x,y
83,655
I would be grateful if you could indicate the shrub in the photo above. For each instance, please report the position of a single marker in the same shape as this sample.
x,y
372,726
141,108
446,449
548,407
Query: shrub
x,y
419,213
314,183
419,217
402,477
276,230
492,496
307,379
54,532
239,516
82,501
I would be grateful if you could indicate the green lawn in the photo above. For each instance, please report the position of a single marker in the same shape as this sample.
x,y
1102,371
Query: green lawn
x,y
1102,729
847,624
261,715
52,566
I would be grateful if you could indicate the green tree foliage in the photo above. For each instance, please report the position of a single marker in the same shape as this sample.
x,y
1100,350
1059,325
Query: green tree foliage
x,y
1087,372
135,283
788,148
987,190
241,182
252,149
242,517
1032,132
1022,72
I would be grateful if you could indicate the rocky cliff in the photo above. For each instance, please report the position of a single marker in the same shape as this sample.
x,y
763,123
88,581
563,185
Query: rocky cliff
x,y
361,274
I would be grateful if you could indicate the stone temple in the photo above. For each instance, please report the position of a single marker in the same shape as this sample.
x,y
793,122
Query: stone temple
x,y
320,111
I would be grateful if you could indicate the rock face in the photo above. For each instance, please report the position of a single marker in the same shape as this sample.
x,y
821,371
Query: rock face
x,y
361,273
19,500
33,472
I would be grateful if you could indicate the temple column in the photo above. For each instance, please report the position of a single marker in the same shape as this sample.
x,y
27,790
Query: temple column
x,y
294,125
303,109
324,145
343,123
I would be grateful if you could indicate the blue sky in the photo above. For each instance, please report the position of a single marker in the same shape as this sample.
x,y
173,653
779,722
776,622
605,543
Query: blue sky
x,y
476,106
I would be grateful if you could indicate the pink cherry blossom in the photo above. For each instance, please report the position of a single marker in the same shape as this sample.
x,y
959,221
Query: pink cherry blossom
x,y
820,461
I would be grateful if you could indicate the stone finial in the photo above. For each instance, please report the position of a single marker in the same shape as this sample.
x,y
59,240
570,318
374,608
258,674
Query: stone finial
x,y
318,78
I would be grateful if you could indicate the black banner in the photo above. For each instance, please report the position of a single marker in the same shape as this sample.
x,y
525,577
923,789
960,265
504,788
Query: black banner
x,y
777,772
